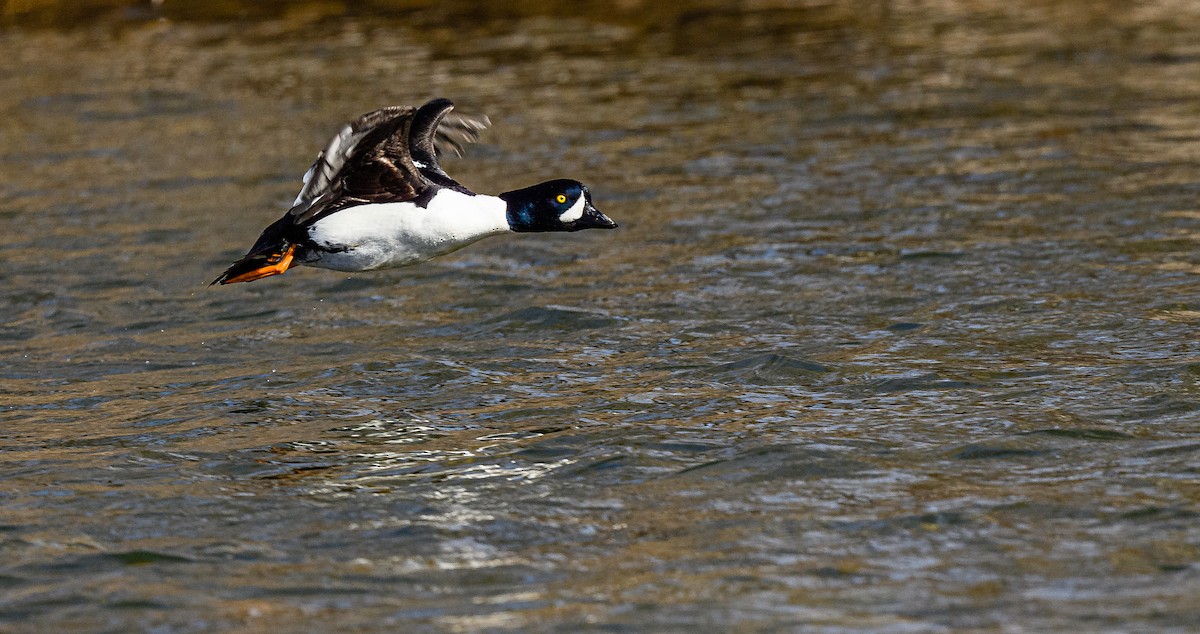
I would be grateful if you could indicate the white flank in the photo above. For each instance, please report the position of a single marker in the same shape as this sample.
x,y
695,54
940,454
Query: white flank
x,y
575,212
398,234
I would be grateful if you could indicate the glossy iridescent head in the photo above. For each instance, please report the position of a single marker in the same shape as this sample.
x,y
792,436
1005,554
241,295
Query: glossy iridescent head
x,y
557,205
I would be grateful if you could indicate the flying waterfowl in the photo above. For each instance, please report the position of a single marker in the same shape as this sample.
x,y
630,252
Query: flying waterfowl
x,y
377,198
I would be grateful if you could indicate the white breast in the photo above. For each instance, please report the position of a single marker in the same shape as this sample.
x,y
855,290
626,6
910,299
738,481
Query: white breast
x,y
398,234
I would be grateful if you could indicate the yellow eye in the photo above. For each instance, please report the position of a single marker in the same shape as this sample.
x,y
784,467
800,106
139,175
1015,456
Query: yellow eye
x,y
561,198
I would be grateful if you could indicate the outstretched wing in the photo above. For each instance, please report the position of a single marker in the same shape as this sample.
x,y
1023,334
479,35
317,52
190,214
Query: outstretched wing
x,y
389,155
368,161
435,131
331,161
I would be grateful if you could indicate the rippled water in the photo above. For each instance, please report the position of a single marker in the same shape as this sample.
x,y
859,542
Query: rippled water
x,y
898,332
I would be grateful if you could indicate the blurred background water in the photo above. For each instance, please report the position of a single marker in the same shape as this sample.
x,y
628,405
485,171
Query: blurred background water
x,y
898,332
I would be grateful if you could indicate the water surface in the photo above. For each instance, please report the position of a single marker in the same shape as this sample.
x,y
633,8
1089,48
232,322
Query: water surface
x,y
897,334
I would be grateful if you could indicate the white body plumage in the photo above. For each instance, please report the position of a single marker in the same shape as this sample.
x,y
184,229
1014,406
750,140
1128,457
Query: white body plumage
x,y
377,236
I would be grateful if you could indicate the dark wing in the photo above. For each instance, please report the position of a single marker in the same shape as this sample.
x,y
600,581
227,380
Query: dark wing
x,y
435,131
333,158
371,160
389,155
368,161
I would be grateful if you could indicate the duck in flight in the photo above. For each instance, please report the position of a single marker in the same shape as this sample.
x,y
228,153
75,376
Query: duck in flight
x,y
377,198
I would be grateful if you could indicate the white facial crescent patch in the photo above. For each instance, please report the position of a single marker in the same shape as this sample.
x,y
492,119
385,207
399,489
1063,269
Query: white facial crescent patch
x,y
575,212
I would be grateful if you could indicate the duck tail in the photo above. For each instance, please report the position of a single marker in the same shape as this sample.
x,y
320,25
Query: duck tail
x,y
259,264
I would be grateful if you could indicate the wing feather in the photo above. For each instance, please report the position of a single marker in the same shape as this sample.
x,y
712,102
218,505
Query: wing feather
x,y
434,132
365,161
388,155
